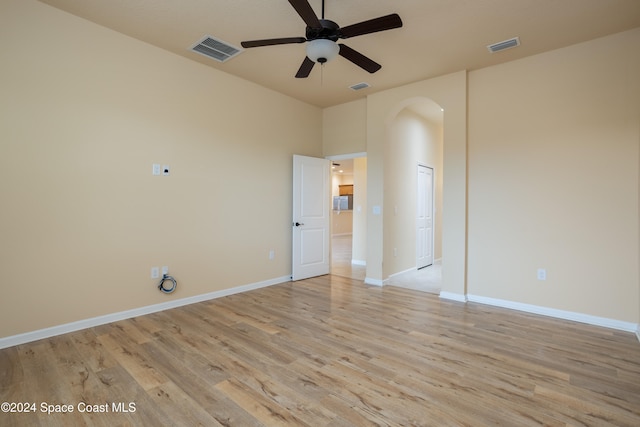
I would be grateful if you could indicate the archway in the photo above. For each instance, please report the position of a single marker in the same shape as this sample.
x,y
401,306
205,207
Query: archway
x,y
450,92
414,141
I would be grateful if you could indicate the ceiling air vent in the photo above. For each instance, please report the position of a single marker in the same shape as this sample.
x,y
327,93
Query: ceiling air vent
x,y
215,48
359,86
507,44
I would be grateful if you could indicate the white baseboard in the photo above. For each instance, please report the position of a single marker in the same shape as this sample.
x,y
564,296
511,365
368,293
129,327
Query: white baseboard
x,y
560,314
358,262
114,317
453,296
375,282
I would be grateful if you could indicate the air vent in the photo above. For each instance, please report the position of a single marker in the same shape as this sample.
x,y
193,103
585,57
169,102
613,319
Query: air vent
x,y
360,86
215,48
507,44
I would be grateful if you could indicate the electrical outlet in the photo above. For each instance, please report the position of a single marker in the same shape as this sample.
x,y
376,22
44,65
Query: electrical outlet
x,y
165,270
155,272
272,254
542,274
165,170
156,169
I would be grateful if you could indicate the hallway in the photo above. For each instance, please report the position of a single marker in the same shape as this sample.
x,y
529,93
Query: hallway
x,y
426,279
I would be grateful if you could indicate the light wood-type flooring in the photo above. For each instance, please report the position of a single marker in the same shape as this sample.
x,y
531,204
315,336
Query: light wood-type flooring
x,y
329,351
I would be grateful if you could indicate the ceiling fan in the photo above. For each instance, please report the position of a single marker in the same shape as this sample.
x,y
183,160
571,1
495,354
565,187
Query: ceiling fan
x,y
322,36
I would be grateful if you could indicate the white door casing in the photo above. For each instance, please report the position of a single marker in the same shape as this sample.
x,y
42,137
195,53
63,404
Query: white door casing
x,y
424,218
311,217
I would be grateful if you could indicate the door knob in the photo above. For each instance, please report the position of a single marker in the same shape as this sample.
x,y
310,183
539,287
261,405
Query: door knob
x,y
298,224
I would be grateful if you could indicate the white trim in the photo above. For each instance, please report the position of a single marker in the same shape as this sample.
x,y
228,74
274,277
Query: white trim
x,y
560,314
358,262
347,156
374,282
638,332
127,314
452,296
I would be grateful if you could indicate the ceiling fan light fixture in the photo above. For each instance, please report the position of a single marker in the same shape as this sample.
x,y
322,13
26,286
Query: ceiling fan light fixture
x,y
322,50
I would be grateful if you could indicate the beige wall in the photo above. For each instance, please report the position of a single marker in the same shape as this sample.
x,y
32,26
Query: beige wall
x,y
341,223
359,246
84,113
344,128
553,178
413,140
338,179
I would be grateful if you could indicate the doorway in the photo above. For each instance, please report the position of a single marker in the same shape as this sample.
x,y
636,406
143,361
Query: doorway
x,y
348,216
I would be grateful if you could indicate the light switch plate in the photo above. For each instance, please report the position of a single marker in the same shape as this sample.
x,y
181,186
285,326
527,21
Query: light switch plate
x,y
542,274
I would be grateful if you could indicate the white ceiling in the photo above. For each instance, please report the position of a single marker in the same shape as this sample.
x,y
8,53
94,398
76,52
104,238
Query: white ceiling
x,y
438,36
342,166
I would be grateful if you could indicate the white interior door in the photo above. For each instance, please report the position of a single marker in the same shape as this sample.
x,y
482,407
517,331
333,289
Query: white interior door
x,y
311,217
424,220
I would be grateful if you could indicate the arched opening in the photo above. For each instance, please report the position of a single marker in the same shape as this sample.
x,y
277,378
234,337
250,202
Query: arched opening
x,y
450,92
413,205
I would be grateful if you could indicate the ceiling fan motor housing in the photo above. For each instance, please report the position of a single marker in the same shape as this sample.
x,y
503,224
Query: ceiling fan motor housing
x,y
329,30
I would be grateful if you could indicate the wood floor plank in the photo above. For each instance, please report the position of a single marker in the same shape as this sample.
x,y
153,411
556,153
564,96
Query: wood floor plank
x,y
93,353
181,408
197,376
263,409
331,351
132,357
11,376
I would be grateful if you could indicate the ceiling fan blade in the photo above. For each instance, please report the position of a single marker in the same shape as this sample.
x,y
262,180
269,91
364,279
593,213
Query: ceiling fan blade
x,y
359,59
305,68
306,13
371,26
271,42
